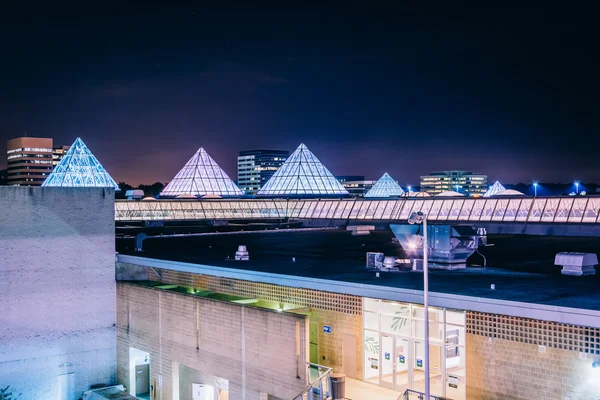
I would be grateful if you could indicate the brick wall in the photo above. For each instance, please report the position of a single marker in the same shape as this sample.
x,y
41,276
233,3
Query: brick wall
x,y
517,358
253,349
57,289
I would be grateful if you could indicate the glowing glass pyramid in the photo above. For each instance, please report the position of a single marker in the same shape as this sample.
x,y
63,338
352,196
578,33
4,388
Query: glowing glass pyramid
x,y
79,168
301,175
386,186
201,176
495,188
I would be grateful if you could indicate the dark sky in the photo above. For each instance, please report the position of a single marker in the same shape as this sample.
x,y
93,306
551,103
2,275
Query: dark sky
x,y
402,87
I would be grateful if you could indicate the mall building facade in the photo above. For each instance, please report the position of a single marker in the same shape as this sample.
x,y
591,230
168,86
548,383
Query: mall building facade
x,y
479,348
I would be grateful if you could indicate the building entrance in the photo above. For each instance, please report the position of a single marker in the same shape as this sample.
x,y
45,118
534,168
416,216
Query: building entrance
x,y
394,348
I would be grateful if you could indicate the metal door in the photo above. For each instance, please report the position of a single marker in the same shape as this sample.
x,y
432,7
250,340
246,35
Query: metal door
x,y
142,379
314,342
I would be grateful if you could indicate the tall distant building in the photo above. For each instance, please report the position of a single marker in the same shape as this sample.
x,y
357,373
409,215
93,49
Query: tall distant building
x,y
464,182
30,160
356,185
256,167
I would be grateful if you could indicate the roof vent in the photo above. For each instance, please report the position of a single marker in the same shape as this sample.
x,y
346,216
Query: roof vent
x,y
242,254
576,264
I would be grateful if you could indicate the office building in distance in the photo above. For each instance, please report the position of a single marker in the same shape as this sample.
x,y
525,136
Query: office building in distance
x,y
30,160
256,167
356,185
463,182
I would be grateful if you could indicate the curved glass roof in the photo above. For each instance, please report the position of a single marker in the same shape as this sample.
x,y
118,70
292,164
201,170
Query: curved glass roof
x,y
301,175
200,176
80,168
386,186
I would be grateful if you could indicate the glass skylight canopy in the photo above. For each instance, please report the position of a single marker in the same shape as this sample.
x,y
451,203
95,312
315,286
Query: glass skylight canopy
x,y
201,176
302,175
386,186
80,168
495,188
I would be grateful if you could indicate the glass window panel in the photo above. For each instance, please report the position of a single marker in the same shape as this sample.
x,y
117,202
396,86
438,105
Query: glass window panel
x,y
426,207
455,210
537,209
435,209
488,210
500,210
578,210
445,210
591,211
371,320
564,207
389,208
371,356
524,208
355,209
371,304
455,317
393,308
398,324
372,209
512,209
380,209
477,209
407,207
550,210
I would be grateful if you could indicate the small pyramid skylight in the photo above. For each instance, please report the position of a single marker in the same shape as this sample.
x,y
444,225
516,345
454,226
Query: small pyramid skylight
x,y
302,175
494,189
201,176
79,168
386,186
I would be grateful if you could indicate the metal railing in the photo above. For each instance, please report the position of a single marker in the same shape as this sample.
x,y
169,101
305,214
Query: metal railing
x,y
410,394
319,383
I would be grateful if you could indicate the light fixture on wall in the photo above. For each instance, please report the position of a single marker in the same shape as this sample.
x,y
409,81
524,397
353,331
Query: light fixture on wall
x,y
596,364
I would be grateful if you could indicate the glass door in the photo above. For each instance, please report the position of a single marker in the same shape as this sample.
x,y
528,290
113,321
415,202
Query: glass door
x,y
436,376
387,361
403,356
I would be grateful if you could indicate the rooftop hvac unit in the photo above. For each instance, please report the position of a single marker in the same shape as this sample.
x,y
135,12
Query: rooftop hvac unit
x,y
135,194
576,264
375,260
242,254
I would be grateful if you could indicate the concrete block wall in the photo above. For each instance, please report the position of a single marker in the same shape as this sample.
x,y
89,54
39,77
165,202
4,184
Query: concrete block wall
x,y
330,345
57,289
331,349
506,369
253,349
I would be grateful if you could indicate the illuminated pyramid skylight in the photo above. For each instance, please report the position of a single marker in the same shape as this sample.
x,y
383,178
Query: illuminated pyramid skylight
x,y
201,176
386,186
302,175
495,188
79,168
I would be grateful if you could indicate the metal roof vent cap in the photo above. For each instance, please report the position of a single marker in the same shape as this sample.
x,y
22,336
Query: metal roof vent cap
x,y
389,262
242,254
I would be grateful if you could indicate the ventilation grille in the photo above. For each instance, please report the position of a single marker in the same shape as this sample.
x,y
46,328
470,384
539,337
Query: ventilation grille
x,y
531,331
321,300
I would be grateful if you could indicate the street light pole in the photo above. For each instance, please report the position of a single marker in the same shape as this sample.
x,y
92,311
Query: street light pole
x,y
426,304
420,218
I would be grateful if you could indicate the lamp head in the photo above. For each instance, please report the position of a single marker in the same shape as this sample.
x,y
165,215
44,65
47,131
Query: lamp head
x,y
416,218
596,364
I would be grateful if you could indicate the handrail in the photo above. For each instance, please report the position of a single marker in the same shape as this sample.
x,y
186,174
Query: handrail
x,y
418,396
320,389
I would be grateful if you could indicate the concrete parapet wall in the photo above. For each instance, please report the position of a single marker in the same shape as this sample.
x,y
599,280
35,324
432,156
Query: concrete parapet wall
x,y
57,289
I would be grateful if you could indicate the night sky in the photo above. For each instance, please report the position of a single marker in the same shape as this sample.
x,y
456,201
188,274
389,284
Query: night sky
x,y
369,87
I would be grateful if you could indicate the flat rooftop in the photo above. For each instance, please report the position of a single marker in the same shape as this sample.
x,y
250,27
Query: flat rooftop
x,y
521,267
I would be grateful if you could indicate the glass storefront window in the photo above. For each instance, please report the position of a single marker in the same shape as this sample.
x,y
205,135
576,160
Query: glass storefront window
x,y
393,347
397,324
371,320
371,305
371,356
